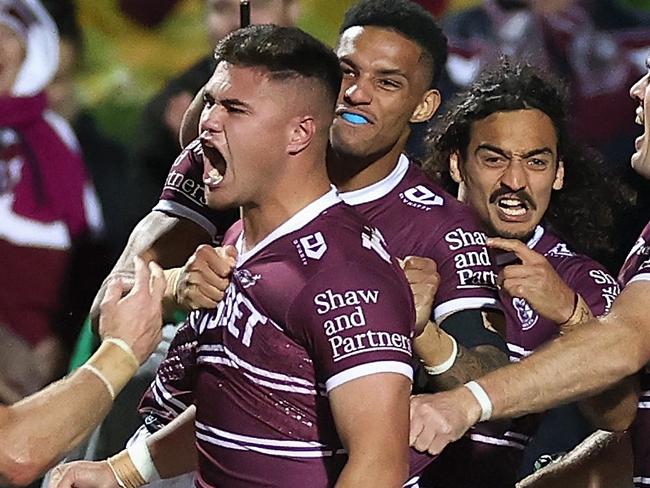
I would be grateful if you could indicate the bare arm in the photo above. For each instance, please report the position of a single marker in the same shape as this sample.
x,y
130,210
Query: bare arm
x,y
158,237
371,417
190,123
37,431
597,355
434,346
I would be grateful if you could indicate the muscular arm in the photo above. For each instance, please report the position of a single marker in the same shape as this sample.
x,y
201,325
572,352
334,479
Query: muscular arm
x,y
372,417
597,355
37,431
190,123
173,448
434,346
158,237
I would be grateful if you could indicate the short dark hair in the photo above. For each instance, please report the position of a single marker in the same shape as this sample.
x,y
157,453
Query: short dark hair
x,y
285,52
407,18
584,212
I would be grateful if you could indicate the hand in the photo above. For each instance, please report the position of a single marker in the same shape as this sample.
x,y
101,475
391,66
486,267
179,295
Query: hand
x,y
437,420
422,275
83,474
203,280
136,318
535,280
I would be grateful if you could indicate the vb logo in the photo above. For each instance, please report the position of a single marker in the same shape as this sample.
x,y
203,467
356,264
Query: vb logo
x,y
421,195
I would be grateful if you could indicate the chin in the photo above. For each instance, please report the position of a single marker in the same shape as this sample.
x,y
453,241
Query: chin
x,y
512,232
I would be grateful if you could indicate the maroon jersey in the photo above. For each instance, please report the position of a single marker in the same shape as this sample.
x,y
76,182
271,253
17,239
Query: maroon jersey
x,y
494,455
415,216
637,268
317,303
418,218
183,194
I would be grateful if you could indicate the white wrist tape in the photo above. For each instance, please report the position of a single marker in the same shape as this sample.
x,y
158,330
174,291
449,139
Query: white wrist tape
x,y
102,377
482,398
141,459
125,347
444,367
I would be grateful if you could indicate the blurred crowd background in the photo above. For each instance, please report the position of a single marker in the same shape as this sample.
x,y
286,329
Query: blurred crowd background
x,y
128,70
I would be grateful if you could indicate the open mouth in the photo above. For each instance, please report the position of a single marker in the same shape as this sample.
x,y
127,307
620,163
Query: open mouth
x,y
214,164
512,207
639,116
354,118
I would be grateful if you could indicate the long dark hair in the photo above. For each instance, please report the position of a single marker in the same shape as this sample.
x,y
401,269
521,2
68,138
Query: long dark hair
x,y
585,212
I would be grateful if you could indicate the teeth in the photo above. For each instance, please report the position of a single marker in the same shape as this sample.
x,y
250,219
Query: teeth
x,y
213,178
515,212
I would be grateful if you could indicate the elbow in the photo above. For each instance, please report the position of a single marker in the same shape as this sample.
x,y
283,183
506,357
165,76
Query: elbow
x,y
20,471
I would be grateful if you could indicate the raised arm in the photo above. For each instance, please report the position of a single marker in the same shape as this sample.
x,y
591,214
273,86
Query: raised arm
x,y
372,417
37,431
447,362
158,237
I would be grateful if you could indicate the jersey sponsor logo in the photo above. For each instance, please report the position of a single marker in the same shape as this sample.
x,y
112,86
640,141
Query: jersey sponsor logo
x,y
329,301
421,197
473,267
178,182
368,341
312,246
639,249
560,250
609,287
525,313
372,238
237,314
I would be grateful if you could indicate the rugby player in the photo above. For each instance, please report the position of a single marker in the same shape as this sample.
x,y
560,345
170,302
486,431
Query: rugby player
x,y
303,371
595,356
505,143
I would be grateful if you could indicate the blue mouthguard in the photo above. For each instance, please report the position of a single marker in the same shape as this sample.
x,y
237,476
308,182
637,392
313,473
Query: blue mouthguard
x,y
354,118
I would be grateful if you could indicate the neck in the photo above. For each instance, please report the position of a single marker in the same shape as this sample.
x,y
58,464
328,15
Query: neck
x,y
375,169
288,197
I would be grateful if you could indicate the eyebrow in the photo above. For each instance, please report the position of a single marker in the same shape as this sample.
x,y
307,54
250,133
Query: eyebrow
x,y
385,71
498,150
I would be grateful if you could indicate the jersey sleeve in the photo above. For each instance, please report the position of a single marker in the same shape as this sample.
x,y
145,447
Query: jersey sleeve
x,y
637,263
171,391
354,321
467,274
595,284
183,194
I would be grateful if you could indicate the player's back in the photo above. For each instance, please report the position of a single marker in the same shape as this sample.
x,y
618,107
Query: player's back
x,y
316,304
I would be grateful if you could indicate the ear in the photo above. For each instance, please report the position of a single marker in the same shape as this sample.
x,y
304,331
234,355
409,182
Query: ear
x,y
427,107
292,11
302,132
454,168
558,183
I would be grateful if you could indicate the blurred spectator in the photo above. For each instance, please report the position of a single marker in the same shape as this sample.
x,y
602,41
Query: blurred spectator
x,y
105,160
47,204
156,144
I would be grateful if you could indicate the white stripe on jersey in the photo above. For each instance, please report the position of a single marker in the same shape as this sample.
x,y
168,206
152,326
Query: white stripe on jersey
x,y
165,399
495,441
640,277
644,405
641,481
239,362
468,303
368,369
412,483
273,447
176,209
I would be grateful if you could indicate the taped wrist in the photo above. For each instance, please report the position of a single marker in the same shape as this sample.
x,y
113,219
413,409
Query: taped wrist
x,y
114,363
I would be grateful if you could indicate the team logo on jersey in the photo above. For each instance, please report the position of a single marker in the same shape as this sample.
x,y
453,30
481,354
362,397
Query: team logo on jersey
x,y
526,315
246,278
371,238
560,250
312,246
421,197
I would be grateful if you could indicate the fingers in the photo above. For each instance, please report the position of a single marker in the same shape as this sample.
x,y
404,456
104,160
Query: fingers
x,y
157,282
230,251
142,275
522,251
219,260
419,263
428,430
113,293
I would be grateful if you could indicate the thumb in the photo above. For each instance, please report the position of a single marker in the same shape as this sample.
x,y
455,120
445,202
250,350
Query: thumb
x,y
231,252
